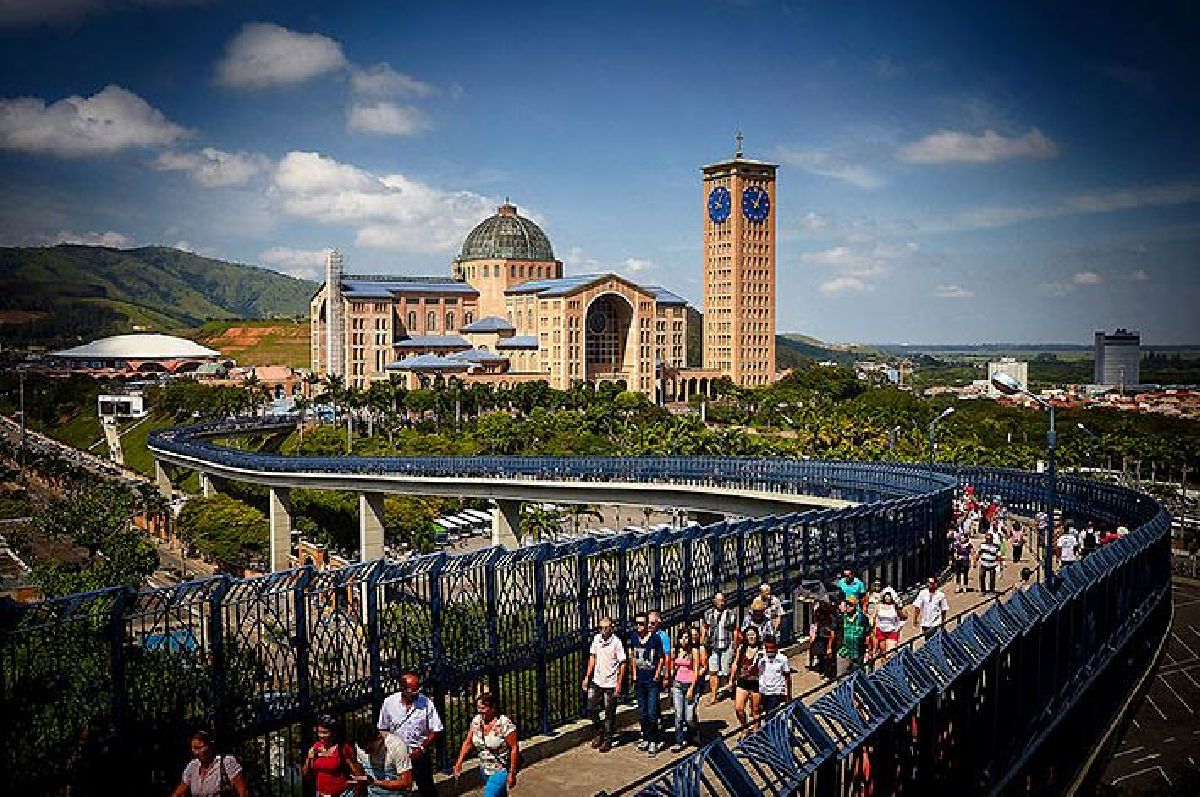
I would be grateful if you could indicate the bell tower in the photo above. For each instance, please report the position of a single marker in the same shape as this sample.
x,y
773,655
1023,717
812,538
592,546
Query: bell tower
x,y
739,268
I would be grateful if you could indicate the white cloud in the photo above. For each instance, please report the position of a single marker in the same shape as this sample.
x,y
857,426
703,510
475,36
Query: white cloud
x,y
814,222
112,239
110,120
1087,278
301,263
953,292
388,211
213,168
827,164
383,81
637,265
949,146
860,266
202,251
16,13
386,119
1056,289
1100,201
846,284
263,54
1139,275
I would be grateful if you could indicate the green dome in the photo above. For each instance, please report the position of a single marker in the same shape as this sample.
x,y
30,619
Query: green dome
x,y
507,236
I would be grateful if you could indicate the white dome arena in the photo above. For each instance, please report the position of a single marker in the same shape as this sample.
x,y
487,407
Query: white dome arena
x,y
141,346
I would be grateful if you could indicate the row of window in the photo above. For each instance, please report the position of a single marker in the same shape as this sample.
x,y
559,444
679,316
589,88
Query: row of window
x,y
514,270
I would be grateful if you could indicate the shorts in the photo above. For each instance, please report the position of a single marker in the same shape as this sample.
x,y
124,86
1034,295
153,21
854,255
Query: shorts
x,y
719,661
883,636
747,684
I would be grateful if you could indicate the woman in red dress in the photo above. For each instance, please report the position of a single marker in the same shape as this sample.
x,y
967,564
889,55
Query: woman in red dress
x,y
332,760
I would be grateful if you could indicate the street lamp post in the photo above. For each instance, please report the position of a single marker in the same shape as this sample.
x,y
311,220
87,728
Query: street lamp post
x,y
946,413
1092,440
1009,386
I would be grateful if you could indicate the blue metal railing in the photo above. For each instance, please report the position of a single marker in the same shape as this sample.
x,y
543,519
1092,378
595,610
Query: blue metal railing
x,y
265,654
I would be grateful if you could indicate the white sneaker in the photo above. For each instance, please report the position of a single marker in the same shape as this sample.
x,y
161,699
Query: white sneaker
x,y
653,749
643,744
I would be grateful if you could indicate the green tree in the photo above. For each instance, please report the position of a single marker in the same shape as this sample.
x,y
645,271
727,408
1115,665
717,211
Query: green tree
x,y
231,533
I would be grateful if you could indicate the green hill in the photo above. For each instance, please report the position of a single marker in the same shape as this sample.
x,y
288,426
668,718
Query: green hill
x,y
58,295
793,349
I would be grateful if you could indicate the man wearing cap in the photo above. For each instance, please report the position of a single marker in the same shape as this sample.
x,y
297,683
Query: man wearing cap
x,y
758,619
854,627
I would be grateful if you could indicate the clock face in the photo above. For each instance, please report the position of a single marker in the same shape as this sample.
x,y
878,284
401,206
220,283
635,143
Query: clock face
x,y
755,203
719,204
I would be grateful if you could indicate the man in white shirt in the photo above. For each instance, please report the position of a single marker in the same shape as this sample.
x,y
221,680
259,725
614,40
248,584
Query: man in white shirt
x,y
931,608
774,677
1068,544
602,682
413,717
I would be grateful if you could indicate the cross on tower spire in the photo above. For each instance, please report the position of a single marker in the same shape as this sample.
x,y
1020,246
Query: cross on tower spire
x,y
738,153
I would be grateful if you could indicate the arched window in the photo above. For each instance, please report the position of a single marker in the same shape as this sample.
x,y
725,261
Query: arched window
x,y
468,319
522,269
449,322
412,320
512,271
495,270
431,322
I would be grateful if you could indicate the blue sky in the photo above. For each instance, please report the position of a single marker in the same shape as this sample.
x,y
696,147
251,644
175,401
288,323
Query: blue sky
x,y
957,173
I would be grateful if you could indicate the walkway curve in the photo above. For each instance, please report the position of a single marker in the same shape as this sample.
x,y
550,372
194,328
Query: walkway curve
x,y
255,658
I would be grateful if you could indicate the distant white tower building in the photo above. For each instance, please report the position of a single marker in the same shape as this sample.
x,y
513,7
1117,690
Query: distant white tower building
x,y
1015,368
1118,358
335,315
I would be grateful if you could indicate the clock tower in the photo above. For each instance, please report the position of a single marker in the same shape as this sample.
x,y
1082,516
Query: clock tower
x,y
739,269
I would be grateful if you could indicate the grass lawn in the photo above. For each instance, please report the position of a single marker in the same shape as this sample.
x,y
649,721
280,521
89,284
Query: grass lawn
x,y
275,342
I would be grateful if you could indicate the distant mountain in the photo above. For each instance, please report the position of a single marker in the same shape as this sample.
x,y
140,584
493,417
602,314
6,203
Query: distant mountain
x,y
58,295
793,349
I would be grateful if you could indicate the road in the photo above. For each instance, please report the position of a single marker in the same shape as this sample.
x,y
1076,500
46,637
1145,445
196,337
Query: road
x,y
1160,753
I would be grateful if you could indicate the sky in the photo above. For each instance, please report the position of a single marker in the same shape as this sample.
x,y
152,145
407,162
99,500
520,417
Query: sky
x,y
949,172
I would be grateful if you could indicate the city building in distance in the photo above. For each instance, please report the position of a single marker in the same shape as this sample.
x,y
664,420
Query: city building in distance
x,y
1118,358
508,313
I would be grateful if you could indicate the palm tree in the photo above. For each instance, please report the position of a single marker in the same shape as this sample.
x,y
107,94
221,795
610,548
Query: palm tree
x,y
538,523
576,511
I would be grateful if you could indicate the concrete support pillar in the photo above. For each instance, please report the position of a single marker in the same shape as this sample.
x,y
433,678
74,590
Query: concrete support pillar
x,y
163,480
281,527
370,526
506,524
209,485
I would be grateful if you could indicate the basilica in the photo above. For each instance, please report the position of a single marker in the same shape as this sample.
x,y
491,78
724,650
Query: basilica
x,y
507,313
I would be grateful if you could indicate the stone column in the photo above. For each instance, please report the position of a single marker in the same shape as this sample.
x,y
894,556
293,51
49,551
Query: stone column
x,y
506,524
164,480
281,527
370,526
209,485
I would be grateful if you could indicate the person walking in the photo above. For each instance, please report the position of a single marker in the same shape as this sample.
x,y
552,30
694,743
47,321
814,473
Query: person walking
x,y
961,552
774,677
1067,547
887,618
774,607
854,629
718,630
209,773
758,620
851,585
332,761
493,736
385,760
931,608
602,683
989,561
1016,541
685,666
1091,539
820,649
413,717
649,661
745,678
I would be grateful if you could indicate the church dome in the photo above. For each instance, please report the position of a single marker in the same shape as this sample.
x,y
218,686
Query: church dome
x,y
507,236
